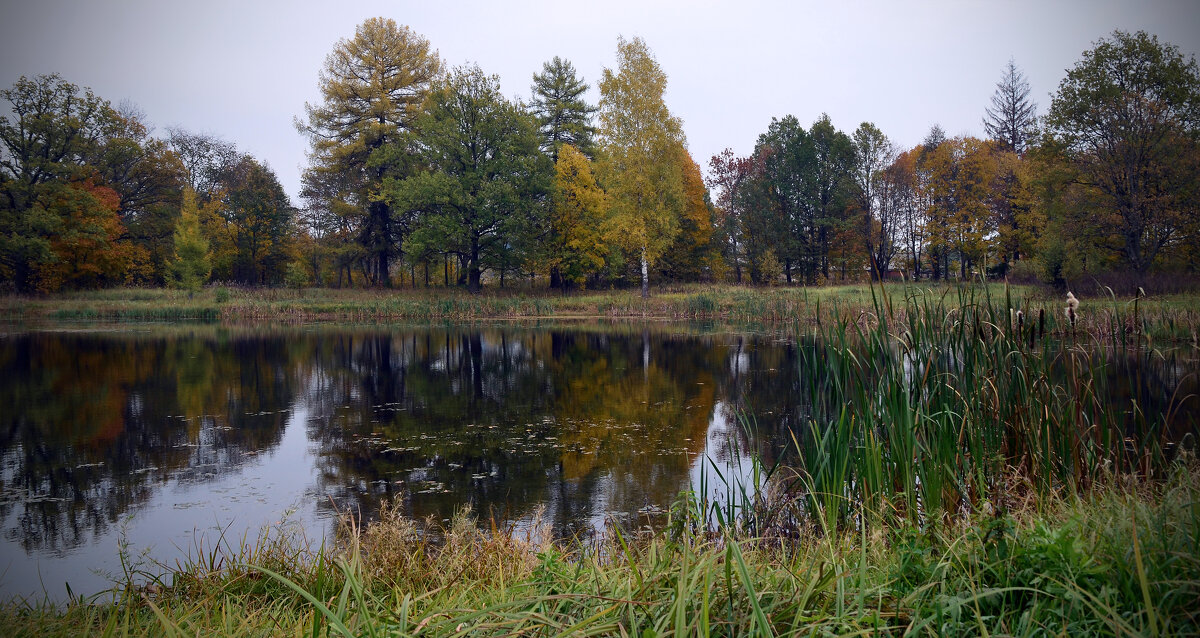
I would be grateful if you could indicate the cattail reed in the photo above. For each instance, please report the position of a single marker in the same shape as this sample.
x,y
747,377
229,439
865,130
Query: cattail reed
x,y
1072,308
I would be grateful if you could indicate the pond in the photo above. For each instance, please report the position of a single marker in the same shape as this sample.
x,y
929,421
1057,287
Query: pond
x,y
164,441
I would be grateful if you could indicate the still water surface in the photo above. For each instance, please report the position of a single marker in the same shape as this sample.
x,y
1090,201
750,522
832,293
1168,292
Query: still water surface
x,y
170,439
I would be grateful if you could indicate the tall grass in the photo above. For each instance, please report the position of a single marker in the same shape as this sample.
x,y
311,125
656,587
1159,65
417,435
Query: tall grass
x,y
1121,562
930,406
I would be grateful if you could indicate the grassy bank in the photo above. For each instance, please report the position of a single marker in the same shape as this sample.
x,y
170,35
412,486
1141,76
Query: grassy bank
x,y
1121,561
1174,317
232,304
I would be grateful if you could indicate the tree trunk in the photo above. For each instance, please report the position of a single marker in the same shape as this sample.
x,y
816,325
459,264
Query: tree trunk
x,y
473,283
555,277
645,275
382,271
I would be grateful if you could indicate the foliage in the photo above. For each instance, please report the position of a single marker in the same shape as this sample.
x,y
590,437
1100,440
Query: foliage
x,y
41,170
578,245
191,266
692,255
563,116
257,220
484,197
1127,118
372,87
727,176
960,176
643,150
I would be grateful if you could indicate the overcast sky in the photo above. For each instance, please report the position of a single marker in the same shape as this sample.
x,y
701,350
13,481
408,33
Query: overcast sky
x,y
243,70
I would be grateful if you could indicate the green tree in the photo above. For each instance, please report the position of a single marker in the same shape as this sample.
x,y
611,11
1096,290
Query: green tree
x,y
829,184
642,147
484,196
260,218
191,266
784,214
372,88
1127,116
563,116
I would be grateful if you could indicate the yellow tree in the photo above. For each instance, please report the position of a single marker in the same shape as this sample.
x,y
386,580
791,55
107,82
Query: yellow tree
x,y
961,171
641,144
578,243
1012,204
693,255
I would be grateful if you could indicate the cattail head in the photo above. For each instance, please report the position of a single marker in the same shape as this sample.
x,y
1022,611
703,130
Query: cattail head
x,y
1020,319
1072,306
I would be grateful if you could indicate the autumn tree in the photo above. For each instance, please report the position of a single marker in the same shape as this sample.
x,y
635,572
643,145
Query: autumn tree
x,y
728,175
1127,118
43,171
147,176
932,232
961,172
372,88
642,164
1011,202
485,192
873,154
907,205
1012,118
578,244
563,116
692,256
190,266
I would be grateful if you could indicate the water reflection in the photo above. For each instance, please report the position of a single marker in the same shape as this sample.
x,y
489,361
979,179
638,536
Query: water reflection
x,y
94,422
215,424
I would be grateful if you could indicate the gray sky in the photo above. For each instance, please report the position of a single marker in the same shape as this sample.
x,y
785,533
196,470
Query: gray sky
x,y
243,70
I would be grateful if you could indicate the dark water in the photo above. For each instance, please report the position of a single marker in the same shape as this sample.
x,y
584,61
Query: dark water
x,y
172,440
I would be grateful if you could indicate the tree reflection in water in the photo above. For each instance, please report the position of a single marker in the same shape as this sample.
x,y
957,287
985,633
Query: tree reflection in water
x,y
587,421
95,422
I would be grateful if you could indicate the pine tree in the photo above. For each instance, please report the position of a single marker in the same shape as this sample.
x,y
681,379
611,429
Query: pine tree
x,y
372,88
1012,117
563,115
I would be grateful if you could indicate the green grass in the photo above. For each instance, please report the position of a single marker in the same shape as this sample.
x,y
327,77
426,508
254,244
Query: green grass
x,y
1121,561
1172,318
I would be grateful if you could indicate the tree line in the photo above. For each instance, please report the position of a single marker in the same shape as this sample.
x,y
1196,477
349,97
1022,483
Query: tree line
x,y
423,175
